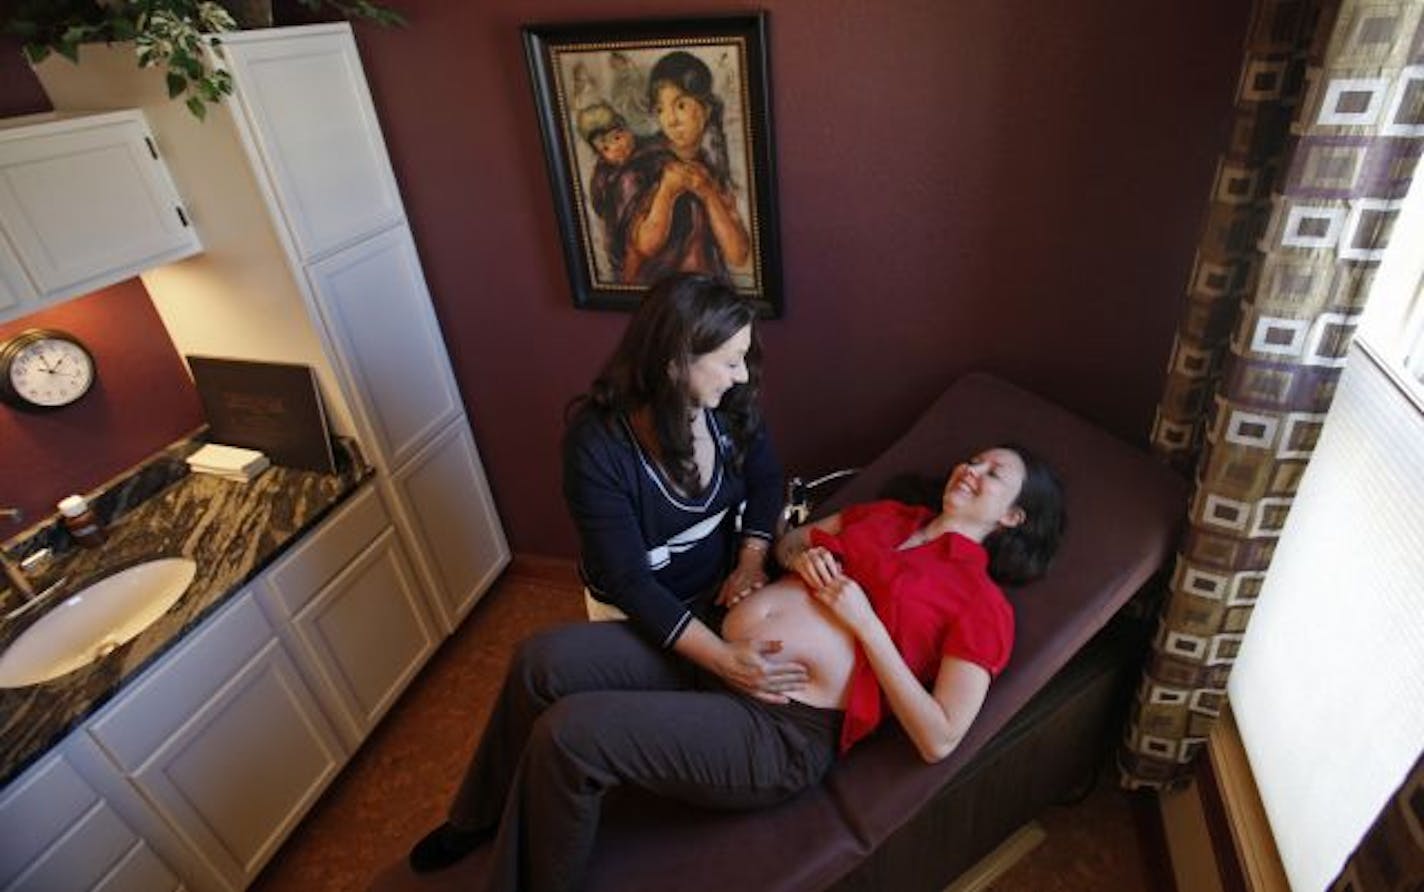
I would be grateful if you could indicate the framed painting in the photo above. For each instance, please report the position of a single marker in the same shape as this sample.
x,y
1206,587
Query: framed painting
x,y
657,134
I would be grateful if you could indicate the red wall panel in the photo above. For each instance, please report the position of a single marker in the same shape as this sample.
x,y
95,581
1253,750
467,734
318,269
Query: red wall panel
x,y
1006,185
978,184
141,401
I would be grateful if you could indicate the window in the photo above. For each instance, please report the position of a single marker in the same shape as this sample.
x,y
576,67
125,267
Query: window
x,y
1329,689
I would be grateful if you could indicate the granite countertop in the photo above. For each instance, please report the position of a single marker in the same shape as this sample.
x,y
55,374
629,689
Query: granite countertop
x,y
231,530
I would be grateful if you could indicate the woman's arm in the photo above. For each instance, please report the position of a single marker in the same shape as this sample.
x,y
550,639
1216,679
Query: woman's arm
x,y
934,721
650,229
762,471
817,566
599,491
721,206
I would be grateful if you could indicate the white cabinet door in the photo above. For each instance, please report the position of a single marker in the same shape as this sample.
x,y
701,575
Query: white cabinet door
x,y
366,635
226,743
304,96
377,308
86,202
61,834
237,778
451,516
17,292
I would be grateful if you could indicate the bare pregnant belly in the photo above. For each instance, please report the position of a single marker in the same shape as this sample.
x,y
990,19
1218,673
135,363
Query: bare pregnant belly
x,y
785,611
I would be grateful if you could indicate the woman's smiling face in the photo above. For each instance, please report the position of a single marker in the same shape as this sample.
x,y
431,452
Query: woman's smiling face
x,y
985,488
682,118
711,375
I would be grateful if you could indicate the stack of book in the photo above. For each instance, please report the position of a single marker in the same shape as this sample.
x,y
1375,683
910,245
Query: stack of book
x,y
228,462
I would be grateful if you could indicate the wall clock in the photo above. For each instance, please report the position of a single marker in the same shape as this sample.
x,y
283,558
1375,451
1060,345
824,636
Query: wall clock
x,y
42,368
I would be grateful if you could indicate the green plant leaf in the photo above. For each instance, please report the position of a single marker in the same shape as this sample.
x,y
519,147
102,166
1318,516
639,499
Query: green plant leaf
x,y
69,51
197,107
177,83
36,53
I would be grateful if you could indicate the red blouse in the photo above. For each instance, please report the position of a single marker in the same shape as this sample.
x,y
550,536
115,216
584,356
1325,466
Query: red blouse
x,y
936,600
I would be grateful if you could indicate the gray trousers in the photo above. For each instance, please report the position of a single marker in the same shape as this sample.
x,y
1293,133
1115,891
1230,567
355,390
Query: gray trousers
x,y
591,707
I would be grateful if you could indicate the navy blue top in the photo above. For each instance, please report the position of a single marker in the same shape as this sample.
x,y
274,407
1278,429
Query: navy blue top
x,y
655,554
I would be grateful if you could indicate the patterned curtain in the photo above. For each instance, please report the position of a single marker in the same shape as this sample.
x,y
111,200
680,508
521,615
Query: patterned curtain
x,y
1390,858
1328,127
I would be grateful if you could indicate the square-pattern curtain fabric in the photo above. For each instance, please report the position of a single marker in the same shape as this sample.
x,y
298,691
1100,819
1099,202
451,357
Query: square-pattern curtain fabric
x,y
1327,132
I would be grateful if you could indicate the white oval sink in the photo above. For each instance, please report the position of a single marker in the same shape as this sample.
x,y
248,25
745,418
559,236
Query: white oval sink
x,y
94,620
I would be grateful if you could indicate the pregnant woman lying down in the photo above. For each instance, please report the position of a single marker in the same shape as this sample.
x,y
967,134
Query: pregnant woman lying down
x,y
889,608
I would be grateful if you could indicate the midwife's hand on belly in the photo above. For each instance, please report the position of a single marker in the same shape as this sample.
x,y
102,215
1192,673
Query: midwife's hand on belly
x,y
784,611
754,668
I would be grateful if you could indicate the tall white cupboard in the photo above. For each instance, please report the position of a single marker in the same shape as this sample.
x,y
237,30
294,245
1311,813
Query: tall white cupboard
x,y
309,258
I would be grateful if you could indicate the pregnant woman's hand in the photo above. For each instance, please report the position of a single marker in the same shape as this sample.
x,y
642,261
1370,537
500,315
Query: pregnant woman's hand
x,y
847,600
817,566
752,668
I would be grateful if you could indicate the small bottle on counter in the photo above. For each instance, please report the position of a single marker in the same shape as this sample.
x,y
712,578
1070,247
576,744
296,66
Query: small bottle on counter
x,y
81,521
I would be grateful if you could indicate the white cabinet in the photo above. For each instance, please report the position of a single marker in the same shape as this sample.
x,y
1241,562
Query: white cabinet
x,y
312,119
374,298
309,259
195,773
17,294
85,201
61,834
357,622
225,741
457,539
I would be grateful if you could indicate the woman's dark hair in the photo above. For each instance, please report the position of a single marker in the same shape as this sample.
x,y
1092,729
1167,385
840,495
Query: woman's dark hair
x,y
692,76
1016,554
1022,553
682,317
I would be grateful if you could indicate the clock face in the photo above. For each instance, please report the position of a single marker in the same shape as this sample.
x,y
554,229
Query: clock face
x,y
48,369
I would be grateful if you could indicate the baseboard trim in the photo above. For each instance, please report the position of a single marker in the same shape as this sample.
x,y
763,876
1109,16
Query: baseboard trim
x,y
544,568
1152,841
998,862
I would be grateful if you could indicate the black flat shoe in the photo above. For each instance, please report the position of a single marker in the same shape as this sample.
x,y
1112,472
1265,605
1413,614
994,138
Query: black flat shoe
x,y
444,846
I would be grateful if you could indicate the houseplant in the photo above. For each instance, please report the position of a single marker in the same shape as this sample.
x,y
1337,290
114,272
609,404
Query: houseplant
x,y
167,33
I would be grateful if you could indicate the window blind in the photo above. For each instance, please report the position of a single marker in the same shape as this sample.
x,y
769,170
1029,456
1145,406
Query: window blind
x,y
1328,690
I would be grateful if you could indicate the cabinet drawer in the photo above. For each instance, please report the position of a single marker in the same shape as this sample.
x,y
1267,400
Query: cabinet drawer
x,y
141,719
36,810
83,857
301,573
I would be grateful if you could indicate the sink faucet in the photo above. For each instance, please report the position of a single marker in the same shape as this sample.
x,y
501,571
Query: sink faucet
x,y
18,575
13,574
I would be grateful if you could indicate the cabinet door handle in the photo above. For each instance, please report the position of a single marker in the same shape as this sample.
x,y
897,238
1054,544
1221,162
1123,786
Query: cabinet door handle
x,y
152,149
182,217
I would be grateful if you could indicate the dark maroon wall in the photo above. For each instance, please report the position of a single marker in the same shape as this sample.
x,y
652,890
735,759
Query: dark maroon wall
x,y
20,92
142,401
1009,186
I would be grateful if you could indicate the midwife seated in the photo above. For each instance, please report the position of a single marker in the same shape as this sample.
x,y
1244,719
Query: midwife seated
x,y
889,606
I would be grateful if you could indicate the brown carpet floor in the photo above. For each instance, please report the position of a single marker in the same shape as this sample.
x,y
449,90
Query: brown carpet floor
x,y
397,786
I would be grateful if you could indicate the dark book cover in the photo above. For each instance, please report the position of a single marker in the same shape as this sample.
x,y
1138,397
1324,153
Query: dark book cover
x,y
273,407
